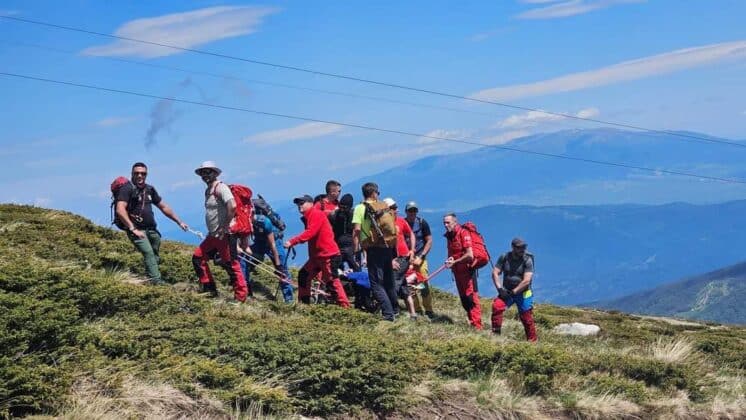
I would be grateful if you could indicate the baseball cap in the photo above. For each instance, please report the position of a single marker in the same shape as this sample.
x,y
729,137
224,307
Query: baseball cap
x,y
302,199
518,243
389,202
411,205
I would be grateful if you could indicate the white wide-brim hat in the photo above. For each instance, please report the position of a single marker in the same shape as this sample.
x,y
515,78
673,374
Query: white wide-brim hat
x,y
208,164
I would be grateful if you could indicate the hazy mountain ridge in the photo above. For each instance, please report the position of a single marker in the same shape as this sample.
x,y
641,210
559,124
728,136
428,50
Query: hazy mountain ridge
x,y
715,296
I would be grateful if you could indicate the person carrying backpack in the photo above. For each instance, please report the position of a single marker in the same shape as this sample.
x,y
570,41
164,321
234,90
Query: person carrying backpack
x,y
460,261
517,269
323,253
133,206
341,220
220,209
423,243
268,242
374,231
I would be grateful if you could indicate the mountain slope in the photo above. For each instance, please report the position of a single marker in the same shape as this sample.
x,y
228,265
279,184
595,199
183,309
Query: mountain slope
x,y
715,296
80,337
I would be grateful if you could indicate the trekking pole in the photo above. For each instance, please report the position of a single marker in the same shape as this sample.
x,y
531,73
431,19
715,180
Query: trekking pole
x,y
260,265
198,233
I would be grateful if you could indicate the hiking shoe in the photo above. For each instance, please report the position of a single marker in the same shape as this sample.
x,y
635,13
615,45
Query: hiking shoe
x,y
413,317
209,290
430,314
157,283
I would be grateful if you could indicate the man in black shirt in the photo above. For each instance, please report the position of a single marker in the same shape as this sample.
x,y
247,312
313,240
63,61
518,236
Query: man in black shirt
x,y
517,269
134,213
341,220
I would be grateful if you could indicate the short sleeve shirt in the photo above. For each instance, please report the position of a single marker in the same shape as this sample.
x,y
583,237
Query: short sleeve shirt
x,y
402,237
216,207
358,217
140,204
514,266
421,231
263,228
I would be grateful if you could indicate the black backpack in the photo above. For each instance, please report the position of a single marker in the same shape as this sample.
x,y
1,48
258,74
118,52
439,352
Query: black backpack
x,y
262,207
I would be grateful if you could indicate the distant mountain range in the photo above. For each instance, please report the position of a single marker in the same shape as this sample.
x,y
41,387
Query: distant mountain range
x,y
715,296
489,175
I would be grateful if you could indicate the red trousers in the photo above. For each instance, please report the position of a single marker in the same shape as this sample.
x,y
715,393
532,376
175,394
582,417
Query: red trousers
x,y
466,283
228,260
310,270
527,319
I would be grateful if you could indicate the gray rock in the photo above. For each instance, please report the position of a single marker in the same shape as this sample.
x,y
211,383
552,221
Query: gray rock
x,y
576,328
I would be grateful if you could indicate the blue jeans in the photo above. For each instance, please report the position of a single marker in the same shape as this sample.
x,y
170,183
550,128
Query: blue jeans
x,y
260,250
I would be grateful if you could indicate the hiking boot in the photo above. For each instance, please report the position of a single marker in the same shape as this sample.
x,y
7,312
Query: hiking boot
x,y
497,331
430,314
413,317
209,290
158,283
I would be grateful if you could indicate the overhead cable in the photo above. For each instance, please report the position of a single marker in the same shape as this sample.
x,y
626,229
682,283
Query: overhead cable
x,y
371,81
472,142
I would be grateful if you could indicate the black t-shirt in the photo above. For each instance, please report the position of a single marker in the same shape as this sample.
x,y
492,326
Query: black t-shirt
x,y
140,204
421,231
341,222
513,267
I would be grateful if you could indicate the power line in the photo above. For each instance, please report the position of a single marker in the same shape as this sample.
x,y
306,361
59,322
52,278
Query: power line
x,y
289,86
378,129
259,82
373,82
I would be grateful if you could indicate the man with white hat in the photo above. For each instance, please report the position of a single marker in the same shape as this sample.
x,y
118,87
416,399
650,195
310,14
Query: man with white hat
x,y
220,208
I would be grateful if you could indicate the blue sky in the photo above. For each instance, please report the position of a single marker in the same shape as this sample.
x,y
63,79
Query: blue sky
x,y
660,64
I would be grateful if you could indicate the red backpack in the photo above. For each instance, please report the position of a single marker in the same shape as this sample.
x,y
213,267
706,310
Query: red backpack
x,y
481,255
116,185
243,225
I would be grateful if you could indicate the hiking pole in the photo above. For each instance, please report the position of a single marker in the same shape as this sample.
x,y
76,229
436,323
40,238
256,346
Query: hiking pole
x,y
198,233
260,265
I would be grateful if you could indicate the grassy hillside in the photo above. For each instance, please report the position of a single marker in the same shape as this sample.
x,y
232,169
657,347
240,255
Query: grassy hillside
x,y
82,338
714,296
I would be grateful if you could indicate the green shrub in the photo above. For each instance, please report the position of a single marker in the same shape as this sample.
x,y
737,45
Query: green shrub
x,y
630,390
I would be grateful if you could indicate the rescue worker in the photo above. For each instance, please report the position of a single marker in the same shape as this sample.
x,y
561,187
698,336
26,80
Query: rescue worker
x,y
460,255
323,253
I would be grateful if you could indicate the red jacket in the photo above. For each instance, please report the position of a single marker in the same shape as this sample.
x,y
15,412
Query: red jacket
x,y
318,234
326,206
458,241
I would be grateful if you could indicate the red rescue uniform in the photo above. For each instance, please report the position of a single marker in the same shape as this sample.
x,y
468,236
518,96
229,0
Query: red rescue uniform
x,y
458,241
321,250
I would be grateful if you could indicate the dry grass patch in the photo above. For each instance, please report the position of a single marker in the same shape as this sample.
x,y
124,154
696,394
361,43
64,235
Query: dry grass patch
x,y
496,395
133,398
602,407
671,351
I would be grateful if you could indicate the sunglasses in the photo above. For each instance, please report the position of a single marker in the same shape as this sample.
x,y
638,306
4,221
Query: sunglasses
x,y
205,172
139,173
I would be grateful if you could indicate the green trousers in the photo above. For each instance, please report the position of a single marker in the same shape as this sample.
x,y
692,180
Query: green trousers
x,y
149,247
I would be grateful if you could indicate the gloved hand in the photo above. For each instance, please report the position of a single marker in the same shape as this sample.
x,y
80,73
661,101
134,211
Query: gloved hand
x,y
504,294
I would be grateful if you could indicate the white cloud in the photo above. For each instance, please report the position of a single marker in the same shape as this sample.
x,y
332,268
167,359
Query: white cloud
x,y
390,156
187,30
113,121
569,8
300,132
665,63
506,137
534,118
443,133
588,113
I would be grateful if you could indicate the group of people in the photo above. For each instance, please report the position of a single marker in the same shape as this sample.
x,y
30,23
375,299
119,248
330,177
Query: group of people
x,y
369,244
